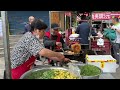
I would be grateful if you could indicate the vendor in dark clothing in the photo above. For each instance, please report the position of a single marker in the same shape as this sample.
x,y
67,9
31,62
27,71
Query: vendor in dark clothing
x,y
84,30
55,40
28,25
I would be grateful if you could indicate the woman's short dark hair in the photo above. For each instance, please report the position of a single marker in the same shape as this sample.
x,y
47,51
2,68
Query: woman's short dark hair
x,y
38,24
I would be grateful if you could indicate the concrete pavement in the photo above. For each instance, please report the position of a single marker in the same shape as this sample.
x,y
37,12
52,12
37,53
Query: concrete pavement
x,y
117,74
2,67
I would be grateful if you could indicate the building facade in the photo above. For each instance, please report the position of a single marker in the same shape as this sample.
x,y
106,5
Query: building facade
x,y
18,19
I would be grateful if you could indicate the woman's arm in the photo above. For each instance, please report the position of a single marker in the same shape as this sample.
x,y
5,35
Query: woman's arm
x,y
36,48
49,54
55,58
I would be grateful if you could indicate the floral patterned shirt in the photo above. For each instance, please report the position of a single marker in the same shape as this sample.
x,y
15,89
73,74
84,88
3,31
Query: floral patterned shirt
x,y
26,47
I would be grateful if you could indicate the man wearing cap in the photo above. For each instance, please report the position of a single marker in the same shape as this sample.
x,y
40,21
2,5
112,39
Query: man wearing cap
x,y
54,39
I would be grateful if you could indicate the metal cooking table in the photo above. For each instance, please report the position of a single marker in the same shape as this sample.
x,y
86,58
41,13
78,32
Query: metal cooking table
x,y
102,76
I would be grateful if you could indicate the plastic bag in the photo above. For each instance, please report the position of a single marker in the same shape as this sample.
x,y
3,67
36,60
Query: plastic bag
x,y
74,69
100,42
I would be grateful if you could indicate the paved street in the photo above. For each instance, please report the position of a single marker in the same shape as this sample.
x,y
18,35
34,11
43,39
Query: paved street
x,y
117,74
2,67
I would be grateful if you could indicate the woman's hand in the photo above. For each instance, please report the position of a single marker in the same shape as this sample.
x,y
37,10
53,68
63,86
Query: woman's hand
x,y
60,59
66,60
60,56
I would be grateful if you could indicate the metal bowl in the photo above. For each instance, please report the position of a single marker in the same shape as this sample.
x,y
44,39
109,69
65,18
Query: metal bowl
x,y
89,77
93,77
24,76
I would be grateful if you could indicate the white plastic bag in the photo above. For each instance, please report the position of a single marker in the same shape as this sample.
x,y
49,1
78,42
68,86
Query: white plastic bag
x,y
74,69
100,42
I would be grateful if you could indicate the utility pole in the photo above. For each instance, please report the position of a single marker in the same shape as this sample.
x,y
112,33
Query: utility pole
x,y
6,44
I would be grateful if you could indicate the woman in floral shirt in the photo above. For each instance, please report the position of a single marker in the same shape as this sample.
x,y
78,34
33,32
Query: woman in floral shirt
x,y
28,47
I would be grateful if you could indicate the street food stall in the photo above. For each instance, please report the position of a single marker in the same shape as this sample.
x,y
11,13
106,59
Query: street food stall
x,y
79,66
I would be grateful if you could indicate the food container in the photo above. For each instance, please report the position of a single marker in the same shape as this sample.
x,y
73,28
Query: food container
x,y
105,62
24,76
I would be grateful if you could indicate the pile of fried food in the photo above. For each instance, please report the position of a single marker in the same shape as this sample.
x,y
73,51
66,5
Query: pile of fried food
x,y
70,52
76,48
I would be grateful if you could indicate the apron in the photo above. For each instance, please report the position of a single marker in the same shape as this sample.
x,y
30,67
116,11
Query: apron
x,y
20,70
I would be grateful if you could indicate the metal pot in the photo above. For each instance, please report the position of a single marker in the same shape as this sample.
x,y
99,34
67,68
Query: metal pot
x,y
24,76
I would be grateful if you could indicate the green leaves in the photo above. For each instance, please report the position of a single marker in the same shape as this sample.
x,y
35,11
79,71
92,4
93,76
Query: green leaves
x,y
43,74
51,74
48,74
89,70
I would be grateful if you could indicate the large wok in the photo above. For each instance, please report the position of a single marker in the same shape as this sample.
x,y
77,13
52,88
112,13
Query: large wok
x,y
79,57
